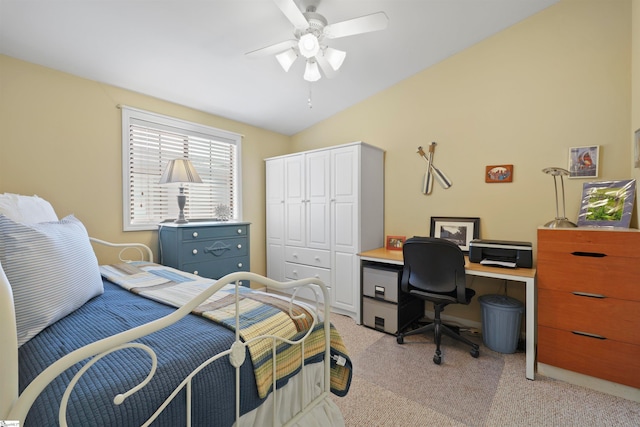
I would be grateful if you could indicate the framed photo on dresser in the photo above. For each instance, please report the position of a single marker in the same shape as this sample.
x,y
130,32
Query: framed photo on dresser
x,y
459,230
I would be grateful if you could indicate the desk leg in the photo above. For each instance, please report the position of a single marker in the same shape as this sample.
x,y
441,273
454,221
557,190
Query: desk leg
x,y
531,328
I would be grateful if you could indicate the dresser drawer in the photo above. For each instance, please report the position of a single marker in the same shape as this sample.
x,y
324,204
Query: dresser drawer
x,y
611,318
611,243
298,271
313,257
607,359
211,250
212,232
380,283
217,269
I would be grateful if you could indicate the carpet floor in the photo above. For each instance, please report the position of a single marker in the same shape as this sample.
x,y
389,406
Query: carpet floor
x,y
399,385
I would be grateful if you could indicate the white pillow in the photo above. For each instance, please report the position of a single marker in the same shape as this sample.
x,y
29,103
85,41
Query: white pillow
x,y
52,270
26,209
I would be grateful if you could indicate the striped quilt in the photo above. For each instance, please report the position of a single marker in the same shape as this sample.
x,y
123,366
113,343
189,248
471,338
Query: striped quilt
x,y
260,314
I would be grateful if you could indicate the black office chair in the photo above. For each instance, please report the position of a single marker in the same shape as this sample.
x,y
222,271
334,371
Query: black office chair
x,y
434,271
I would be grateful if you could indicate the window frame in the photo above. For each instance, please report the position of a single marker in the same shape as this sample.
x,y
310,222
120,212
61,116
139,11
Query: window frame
x,y
190,129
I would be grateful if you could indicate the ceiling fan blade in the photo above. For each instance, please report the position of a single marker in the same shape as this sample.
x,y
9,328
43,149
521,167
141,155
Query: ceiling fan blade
x,y
327,69
364,24
273,49
293,14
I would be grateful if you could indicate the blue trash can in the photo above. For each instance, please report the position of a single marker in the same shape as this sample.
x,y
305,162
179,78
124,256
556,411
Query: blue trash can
x,y
501,318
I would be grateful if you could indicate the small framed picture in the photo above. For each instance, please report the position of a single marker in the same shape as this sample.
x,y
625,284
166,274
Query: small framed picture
x,y
460,230
607,203
583,161
636,148
395,243
499,173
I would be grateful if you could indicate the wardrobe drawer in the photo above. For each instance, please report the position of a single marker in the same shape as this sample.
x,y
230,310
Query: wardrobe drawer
x,y
298,271
313,257
212,232
611,318
211,250
380,283
607,359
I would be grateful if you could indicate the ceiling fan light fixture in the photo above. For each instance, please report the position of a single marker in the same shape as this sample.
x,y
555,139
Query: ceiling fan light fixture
x,y
287,58
335,57
312,72
309,45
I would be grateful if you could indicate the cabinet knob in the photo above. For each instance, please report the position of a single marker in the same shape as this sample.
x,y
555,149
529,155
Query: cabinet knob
x,y
295,255
295,272
317,276
239,230
195,234
239,246
195,272
317,258
195,251
239,265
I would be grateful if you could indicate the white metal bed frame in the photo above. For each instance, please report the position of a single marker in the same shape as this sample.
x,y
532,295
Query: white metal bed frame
x,y
16,407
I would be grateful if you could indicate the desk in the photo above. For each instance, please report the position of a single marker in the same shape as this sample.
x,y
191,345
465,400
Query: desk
x,y
525,275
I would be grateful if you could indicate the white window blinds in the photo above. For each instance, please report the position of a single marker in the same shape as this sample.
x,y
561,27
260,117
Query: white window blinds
x,y
149,142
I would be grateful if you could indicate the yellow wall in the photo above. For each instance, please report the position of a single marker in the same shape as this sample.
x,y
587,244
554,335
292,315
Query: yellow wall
x,y
60,138
557,80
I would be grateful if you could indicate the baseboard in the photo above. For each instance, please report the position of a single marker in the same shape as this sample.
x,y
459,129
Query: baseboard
x,y
597,384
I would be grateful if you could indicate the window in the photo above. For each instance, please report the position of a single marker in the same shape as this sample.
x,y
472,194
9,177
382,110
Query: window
x,y
149,142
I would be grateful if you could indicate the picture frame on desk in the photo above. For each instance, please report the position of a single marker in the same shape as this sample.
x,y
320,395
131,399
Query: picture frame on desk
x,y
395,243
607,203
459,230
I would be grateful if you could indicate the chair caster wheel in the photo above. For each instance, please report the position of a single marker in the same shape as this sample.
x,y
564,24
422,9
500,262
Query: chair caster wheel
x,y
400,339
437,359
475,353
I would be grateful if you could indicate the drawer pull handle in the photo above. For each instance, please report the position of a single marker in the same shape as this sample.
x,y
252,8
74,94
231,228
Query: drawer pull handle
x,y
239,246
295,272
587,334
317,276
587,294
295,255
239,265
589,254
195,272
379,291
317,258
195,252
195,234
239,230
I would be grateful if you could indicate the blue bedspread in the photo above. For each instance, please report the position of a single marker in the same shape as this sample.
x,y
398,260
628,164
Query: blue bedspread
x,y
91,403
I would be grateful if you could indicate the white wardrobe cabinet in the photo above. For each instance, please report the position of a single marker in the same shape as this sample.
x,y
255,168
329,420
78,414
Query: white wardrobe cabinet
x,y
323,208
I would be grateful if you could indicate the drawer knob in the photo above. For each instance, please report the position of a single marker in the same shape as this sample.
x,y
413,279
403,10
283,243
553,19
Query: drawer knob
x,y
317,258
195,272
239,246
295,272
195,234
295,255
239,265
239,230
317,276
195,251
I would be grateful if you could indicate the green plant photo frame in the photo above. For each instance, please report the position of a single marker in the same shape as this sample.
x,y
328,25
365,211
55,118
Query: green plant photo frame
x,y
607,203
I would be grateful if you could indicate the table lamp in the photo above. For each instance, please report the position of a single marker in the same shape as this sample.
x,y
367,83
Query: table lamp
x,y
180,170
559,222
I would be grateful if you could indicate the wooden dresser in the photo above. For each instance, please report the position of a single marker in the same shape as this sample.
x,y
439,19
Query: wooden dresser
x,y
589,302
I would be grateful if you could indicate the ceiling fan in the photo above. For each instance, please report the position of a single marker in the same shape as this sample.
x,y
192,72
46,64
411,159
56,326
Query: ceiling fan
x,y
311,31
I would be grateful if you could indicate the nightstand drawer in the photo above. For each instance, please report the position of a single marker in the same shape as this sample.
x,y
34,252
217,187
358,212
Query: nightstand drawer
x,y
313,257
607,359
202,233
570,312
211,250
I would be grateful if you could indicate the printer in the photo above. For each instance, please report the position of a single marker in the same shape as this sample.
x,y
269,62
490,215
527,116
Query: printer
x,y
501,253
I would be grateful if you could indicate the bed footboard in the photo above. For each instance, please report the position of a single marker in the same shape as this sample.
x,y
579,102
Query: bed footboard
x,y
14,407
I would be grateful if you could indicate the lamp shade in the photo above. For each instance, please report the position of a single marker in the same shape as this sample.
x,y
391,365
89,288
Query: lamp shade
x,y
180,170
287,58
308,45
335,57
312,72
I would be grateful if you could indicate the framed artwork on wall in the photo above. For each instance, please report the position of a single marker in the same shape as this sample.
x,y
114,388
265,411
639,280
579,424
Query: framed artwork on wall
x,y
498,173
584,161
636,148
459,230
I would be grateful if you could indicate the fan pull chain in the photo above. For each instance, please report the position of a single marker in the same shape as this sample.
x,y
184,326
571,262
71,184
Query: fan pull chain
x,y
310,101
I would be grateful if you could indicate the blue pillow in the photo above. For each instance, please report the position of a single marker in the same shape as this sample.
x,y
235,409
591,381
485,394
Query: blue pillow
x,y
52,270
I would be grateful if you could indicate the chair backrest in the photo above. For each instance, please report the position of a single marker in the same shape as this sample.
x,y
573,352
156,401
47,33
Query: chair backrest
x,y
433,265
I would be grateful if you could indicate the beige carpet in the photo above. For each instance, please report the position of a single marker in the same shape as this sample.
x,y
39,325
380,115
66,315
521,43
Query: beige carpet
x,y
399,385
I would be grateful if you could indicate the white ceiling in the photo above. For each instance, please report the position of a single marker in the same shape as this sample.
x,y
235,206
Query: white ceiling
x,y
191,52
